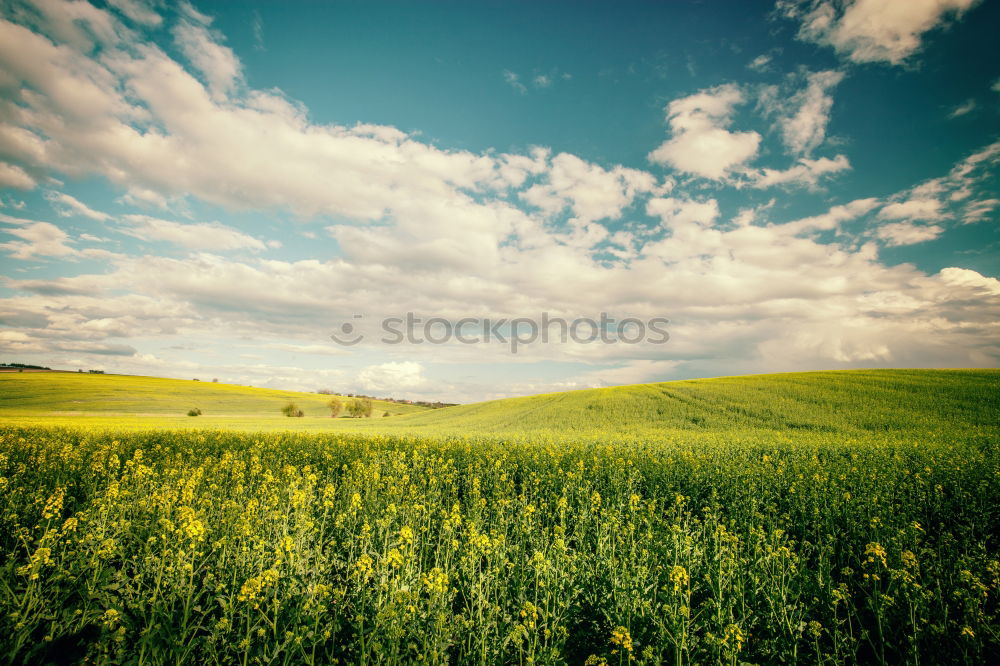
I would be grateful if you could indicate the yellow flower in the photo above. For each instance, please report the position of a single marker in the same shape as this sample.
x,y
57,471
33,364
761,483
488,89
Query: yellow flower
x,y
679,577
621,637
110,618
54,504
875,551
363,567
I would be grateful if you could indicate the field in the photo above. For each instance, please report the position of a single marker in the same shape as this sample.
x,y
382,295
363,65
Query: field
x,y
840,517
123,401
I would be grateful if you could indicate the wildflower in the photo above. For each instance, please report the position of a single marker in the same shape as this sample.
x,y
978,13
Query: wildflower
x,y
734,636
875,551
621,637
815,629
110,618
54,504
436,581
363,567
679,577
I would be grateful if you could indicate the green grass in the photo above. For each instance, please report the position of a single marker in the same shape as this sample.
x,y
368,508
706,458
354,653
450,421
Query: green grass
x,y
847,402
840,403
125,401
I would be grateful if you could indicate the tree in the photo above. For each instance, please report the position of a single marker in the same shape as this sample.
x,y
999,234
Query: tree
x,y
336,406
291,409
360,408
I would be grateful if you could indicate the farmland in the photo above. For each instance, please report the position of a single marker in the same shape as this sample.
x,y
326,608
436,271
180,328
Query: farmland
x,y
122,401
841,517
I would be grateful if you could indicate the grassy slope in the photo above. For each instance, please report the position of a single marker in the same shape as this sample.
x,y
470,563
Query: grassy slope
x,y
921,403
59,398
847,401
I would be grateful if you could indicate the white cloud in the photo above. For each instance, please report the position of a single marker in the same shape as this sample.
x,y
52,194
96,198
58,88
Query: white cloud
x,y
217,63
963,277
833,217
908,233
805,172
542,81
138,11
392,376
591,191
761,63
701,144
514,81
38,239
871,30
203,236
12,175
913,209
805,129
68,206
977,211
675,213
965,107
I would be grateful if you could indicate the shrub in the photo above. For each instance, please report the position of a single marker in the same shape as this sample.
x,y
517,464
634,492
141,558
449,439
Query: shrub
x,y
194,412
336,406
291,409
360,408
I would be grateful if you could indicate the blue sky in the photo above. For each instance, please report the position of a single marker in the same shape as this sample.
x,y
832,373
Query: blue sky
x,y
210,190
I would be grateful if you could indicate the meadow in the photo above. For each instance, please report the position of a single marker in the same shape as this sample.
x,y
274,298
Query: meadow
x,y
829,518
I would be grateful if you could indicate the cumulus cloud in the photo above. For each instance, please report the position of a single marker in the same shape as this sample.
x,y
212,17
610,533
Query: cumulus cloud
x,y
38,239
805,172
68,206
805,129
402,375
908,233
871,30
913,209
701,143
216,63
676,213
592,192
12,175
201,236
137,11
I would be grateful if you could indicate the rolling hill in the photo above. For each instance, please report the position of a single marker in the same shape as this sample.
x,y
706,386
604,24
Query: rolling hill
x,y
846,402
65,398
858,401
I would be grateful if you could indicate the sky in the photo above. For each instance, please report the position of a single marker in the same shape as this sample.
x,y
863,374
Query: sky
x,y
250,191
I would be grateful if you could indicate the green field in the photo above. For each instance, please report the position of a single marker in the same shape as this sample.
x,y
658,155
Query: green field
x,y
835,517
125,401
